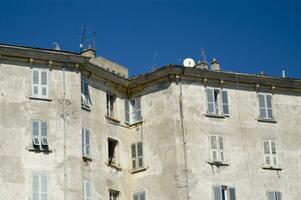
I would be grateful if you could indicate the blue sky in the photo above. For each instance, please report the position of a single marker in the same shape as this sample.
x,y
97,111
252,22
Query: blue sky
x,y
245,36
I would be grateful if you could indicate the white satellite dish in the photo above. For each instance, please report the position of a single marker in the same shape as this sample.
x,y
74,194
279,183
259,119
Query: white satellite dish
x,y
188,62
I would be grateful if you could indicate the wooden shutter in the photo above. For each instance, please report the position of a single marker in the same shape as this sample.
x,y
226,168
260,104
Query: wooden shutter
x,y
225,102
127,110
134,156
232,193
140,154
262,106
213,146
217,192
210,101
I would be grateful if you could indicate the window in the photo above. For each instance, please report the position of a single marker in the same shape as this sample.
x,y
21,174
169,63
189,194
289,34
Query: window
x,y
217,101
265,106
217,148
270,153
274,195
86,142
85,94
137,155
87,190
39,83
39,187
114,195
223,193
133,110
39,134
139,196
112,151
110,105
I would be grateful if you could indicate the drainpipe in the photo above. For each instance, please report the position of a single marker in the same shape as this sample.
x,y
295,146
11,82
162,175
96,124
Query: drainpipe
x,y
65,147
183,137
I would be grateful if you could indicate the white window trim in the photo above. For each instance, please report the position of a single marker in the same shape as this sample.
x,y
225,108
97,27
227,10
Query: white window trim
x,y
40,86
220,111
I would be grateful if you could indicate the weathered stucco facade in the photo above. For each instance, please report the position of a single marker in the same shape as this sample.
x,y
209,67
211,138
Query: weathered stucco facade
x,y
175,130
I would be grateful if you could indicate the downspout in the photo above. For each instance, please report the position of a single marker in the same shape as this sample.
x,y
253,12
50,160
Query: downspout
x,y
183,137
65,148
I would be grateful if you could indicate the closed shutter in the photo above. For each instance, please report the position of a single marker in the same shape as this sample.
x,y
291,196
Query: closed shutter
x,y
221,148
44,83
35,82
36,133
274,153
266,145
232,193
225,102
210,101
138,108
87,190
35,187
213,146
127,111
278,195
262,107
140,154
83,141
134,156
142,196
87,142
44,187
217,193
269,106
271,196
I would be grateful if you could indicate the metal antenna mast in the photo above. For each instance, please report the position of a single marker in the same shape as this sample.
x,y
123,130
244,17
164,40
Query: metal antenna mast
x,y
81,45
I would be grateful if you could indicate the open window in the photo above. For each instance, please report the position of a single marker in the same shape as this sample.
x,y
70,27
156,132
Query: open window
x,y
224,193
217,102
111,108
85,94
113,152
133,110
114,194
40,134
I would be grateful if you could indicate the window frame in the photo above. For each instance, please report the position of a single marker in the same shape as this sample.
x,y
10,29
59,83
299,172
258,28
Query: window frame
x,y
39,192
270,155
39,85
131,111
85,98
218,149
265,108
111,113
85,144
114,161
136,159
40,146
224,192
219,103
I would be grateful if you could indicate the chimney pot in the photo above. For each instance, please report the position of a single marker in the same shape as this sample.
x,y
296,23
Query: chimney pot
x,y
215,65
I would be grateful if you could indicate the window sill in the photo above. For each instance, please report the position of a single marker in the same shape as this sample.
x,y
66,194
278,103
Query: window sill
x,y
112,119
39,98
115,166
271,168
218,163
87,158
266,120
216,116
38,150
134,124
134,171
86,108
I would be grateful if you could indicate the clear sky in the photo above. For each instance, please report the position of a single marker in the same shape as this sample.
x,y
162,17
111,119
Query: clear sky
x,y
245,36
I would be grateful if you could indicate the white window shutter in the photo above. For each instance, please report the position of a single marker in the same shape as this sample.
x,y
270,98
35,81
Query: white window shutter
x,y
35,187
278,195
217,192
262,107
35,82
83,141
127,110
87,142
225,102
274,153
44,83
44,187
271,196
213,146
140,154
138,108
269,106
267,152
232,193
210,101
221,148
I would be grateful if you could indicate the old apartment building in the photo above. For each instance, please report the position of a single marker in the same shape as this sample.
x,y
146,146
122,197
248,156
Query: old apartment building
x,y
75,126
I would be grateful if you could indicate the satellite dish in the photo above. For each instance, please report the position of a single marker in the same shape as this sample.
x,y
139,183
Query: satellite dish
x,y
188,62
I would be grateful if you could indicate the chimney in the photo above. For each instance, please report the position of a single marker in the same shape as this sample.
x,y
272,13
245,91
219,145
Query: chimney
x,y
215,65
202,65
89,52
